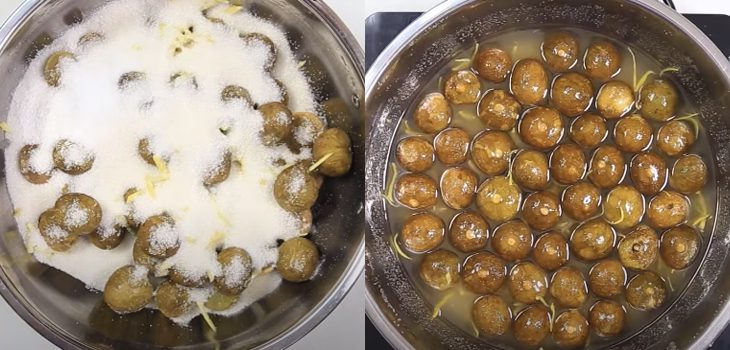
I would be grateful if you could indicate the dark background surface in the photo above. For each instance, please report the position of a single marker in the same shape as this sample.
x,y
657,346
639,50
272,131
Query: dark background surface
x,y
381,28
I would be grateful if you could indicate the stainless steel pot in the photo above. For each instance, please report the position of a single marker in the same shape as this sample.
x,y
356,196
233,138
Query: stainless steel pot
x,y
396,78
64,311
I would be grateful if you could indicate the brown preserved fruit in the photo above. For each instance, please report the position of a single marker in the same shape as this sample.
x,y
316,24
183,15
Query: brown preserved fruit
x,y
658,100
607,167
512,240
675,138
532,325
615,98
648,171
491,152
680,246
422,232
462,87
498,199
638,250
493,64
560,50
498,110
33,176
588,130
415,191
570,329
541,210
458,187
541,127
440,269
607,318
633,133
415,154
571,93
451,146
529,81
667,209
602,60
592,240
607,278
298,260
527,283
530,170
468,231
433,113
689,174
567,163
581,201
491,315
333,150
568,287
624,207
646,291
551,250
483,273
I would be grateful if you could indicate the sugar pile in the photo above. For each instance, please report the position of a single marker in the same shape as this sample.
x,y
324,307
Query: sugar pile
x,y
138,274
73,155
76,215
162,238
233,272
185,61
57,233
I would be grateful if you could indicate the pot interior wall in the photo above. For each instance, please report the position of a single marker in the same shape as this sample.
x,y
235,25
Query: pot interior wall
x,y
399,82
77,316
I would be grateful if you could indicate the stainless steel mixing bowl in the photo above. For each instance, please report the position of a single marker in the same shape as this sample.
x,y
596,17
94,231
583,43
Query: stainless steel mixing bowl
x,y
64,311
396,78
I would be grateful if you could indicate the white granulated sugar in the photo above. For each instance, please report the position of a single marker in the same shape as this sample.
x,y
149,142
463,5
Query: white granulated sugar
x,y
214,160
55,232
40,161
282,118
196,295
182,121
296,182
106,232
305,134
74,154
76,215
234,272
139,274
163,237
260,286
188,258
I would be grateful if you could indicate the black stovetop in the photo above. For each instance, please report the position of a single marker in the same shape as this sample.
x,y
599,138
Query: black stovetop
x,y
381,28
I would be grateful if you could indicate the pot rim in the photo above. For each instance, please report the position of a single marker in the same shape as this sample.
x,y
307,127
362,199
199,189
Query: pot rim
x,y
355,268
444,10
